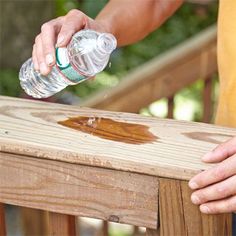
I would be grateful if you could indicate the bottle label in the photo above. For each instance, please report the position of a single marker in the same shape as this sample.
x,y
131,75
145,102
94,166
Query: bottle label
x,y
63,63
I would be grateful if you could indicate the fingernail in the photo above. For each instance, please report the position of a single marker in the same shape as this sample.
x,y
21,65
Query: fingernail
x,y
193,185
43,68
207,156
205,209
49,59
60,39
195,199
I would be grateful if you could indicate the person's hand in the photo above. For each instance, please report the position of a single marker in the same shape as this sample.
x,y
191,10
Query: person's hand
x,y
215,189
58,32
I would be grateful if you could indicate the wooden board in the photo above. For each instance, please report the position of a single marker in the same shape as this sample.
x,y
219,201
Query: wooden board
x,y
152,232
162,76
174,149
61,225
178,216
2,221
78,190
34,222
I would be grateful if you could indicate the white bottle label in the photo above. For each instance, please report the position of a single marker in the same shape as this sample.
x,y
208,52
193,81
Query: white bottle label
x,y
63,63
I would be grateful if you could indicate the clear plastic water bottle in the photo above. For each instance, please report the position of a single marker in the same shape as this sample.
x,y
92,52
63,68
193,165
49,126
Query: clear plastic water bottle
x,y
86,55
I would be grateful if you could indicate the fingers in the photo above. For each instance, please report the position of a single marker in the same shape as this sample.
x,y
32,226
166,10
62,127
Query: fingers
x,y
218,173
60,31
39,55
217,191
221,152
48,37
34,58
74,21
227,205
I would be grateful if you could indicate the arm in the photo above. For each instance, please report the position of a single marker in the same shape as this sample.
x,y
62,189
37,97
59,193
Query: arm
x,y
128,20
131,21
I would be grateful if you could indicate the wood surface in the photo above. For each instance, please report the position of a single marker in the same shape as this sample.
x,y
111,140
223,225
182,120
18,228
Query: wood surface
x,y
78,190
170,105
105,228
152,232
207,100
31,128
61,225
162,76
2,221
34,222
179,217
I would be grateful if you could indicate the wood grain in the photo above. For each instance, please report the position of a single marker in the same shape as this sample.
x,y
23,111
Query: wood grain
x,y
162,76
152,232
207,100
31,128
170,105
61,225
79,190
34,222
179,217
2,221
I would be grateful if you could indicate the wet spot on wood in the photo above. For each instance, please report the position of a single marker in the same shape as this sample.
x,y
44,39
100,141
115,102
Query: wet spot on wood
x,y
207,137
110,129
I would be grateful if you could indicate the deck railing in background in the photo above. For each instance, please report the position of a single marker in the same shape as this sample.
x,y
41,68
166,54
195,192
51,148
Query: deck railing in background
x,y
164,76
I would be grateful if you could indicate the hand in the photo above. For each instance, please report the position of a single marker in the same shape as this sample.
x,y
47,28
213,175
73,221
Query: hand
x,y
215,189
59,32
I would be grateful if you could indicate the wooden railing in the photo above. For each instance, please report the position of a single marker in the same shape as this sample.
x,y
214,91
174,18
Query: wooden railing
x,y
119,167
161,77
164,76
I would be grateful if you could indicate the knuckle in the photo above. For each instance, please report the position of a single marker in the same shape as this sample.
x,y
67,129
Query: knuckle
x,y
226,206
37,39
220,191
219,173
74,12
233,203
202,198
46,26
59,18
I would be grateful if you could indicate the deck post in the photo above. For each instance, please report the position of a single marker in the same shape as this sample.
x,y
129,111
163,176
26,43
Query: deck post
x,y
178,216
2,221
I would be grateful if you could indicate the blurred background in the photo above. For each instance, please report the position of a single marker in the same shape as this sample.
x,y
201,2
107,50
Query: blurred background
x,y
20,22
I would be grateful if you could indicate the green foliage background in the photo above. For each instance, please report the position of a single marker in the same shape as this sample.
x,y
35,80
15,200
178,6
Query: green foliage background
x,y
187,21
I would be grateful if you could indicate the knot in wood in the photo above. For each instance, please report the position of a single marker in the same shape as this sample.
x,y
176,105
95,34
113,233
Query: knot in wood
x,y
114,218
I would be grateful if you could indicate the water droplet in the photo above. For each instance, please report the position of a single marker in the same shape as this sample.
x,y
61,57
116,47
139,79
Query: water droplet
x,y
92,122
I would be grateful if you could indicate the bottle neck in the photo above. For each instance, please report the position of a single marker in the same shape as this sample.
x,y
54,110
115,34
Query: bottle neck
x,y
106,43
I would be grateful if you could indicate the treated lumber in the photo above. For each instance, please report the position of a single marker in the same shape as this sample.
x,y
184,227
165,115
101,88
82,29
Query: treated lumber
x,y
79,190
207,100
162,76
185,217
152,232
34,222
60,224
2,221
121,141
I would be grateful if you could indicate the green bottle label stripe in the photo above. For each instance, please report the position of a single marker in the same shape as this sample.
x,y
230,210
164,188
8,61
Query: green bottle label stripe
x,y
65,67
